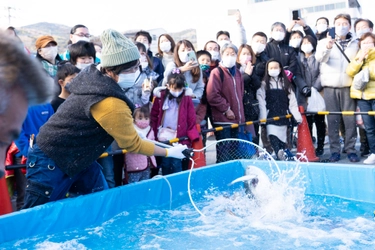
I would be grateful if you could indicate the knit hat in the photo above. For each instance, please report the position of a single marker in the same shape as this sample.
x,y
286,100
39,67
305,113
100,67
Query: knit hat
x,y
228,45
42,41
117,49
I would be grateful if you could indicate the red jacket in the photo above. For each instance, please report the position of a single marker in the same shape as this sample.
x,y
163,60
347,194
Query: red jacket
x,y
186,125
224,95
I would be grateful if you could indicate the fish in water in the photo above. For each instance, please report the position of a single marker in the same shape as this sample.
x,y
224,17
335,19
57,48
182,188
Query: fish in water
x,y
255,181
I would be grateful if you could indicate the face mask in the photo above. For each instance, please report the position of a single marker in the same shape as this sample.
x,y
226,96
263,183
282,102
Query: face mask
x,y
98,55
183,56
146,45
278,35
144,62
49,53
307,48
82,65
204,67
165,46
175,93
127,80
258,47
295,43
244,59
274,72
142,123
342,30
215,55
222,43
361,32
82,38
367,46
228,61
321,27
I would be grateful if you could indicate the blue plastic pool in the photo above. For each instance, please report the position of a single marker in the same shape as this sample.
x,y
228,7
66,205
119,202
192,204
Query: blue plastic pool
x,y
331,206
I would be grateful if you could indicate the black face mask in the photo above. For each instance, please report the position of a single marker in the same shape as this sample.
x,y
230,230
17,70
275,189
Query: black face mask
x,y
2,173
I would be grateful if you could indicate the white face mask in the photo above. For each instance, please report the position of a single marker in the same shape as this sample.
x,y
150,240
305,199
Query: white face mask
x,y
362,31
215,55
228,61
98,55
176,93
274,72
147,46
367,46
49,53
165,46
183,56
81,38
321,27
127,80
244,59
144,62
82,65
258,47
342,30
278,35
307,48
223,42
295,43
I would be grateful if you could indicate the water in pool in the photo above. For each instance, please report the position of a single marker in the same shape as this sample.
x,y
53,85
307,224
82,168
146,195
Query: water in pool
x,y
284,218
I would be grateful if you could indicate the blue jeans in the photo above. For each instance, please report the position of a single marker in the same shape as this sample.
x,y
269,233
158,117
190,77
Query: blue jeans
x,y
369,121
225,151
46,182
107,168
171,165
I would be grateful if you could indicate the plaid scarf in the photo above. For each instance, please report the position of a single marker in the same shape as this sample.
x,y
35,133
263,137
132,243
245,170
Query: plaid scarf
x,y
344,43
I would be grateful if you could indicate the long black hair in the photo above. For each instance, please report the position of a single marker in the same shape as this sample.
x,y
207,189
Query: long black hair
x,y
287,85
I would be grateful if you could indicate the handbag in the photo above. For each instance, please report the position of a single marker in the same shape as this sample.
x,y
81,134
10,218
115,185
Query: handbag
x,y
166,134
361,79
315,102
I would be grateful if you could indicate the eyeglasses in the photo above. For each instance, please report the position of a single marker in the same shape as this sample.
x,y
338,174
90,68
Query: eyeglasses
x,y
83,35
131,70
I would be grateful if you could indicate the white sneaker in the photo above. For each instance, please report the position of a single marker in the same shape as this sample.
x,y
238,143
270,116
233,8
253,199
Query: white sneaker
x,y
370,159
281,155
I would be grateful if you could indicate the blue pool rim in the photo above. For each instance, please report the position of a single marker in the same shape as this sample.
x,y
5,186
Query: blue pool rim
x,y
353,182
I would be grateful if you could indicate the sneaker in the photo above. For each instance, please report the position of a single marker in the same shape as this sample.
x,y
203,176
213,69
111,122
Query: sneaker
x,y
289,155
370,159
335,157
319,151
326,139
353,157
281,155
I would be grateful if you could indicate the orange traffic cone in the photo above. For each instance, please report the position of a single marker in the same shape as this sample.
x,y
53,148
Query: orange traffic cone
x,y
198,157
305,143
5,204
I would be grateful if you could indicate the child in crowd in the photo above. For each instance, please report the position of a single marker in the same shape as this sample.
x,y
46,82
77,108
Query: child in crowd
x,y
138,166
173,116
82,54
276,98
65,73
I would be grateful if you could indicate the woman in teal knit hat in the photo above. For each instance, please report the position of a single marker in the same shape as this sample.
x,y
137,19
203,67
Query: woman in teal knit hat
x,y
62,160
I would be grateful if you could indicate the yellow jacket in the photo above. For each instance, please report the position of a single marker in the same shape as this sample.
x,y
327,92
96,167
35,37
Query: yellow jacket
x,y
368,93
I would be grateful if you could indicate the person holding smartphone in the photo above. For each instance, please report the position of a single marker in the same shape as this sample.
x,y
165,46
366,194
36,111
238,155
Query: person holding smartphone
x,y
185,60
333,54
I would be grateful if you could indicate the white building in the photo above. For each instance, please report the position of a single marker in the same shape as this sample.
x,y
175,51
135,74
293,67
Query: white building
x,y
259,15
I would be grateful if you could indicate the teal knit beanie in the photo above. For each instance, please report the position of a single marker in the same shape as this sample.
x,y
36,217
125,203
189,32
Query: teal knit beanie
x,y
117,49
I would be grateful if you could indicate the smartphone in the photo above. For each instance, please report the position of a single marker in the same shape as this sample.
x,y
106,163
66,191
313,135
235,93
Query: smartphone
x,y
192,57
332,32
296,14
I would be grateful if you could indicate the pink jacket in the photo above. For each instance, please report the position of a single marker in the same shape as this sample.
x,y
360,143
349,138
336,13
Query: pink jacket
x,y
186,125
138,162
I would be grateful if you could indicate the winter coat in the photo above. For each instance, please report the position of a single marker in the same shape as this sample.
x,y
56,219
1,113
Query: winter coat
x,y
368,93
138,162
333,63
226,94
186,125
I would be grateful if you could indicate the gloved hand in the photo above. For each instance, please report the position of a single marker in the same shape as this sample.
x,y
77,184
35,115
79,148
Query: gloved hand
x,y
306,91
176,151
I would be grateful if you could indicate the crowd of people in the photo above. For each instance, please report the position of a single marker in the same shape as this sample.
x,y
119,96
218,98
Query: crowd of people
x,y
114,93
